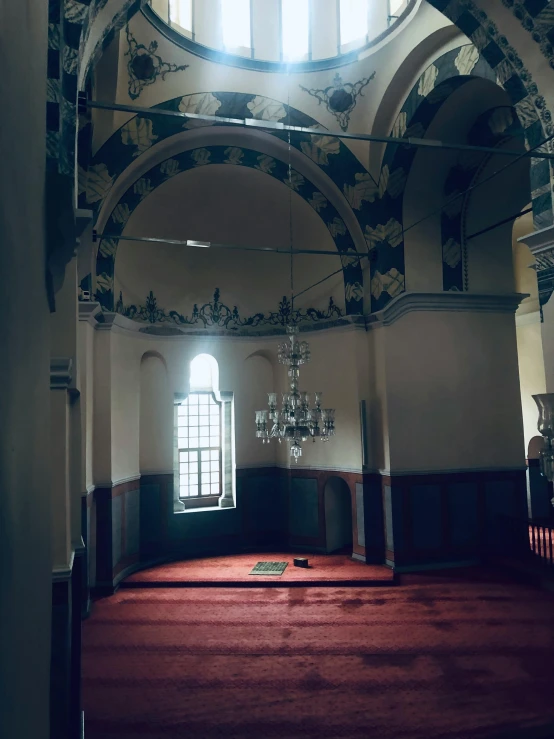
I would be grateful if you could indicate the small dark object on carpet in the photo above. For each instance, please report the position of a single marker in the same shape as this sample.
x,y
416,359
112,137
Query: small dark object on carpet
x,y
301,562
269,568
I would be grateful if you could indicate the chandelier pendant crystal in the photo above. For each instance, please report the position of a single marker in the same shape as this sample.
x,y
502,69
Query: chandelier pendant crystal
x,y
294,421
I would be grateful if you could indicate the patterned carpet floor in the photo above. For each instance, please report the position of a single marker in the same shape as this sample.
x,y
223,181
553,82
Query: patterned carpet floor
x,y
339,569
461,655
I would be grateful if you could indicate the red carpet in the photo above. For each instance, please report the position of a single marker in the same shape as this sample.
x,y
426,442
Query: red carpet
x,y
329,569
457,656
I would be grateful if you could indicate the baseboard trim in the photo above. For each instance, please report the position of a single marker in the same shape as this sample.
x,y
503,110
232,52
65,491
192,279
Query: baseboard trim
x,y
426,567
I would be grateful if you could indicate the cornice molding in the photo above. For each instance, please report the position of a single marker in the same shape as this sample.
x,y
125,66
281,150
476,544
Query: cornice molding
x,y
88,311
61,373
62,573
450,301
115,483
539,241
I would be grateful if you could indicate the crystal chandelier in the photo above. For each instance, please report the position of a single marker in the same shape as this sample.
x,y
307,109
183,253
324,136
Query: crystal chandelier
x,y
295,421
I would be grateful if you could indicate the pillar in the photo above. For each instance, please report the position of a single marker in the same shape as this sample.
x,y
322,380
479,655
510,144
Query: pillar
x,y
448,411
25,558
68,550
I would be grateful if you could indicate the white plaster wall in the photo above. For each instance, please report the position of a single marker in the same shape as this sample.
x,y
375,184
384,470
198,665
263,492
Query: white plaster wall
x,y
256,380
125,408
453,392
86,380
531,372
102,426
377,402
547,332
229,205
490,257
247,367
334,371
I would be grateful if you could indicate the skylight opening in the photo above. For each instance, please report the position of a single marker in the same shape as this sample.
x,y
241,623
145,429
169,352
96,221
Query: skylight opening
x,y
235,20
295,21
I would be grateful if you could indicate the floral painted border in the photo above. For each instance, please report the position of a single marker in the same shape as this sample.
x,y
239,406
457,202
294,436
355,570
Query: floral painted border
x,y
236,156
216,313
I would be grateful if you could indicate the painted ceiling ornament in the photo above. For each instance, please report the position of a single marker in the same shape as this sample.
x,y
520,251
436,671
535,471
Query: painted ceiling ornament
x,y
340,98
145,66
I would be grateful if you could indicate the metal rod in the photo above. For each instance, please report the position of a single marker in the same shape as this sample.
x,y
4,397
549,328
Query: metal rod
x,y
319,282
448,201
499,223
473,187
211,245
276,126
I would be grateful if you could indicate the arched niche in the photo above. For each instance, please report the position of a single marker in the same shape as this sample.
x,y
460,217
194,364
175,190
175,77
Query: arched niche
x,y
535,446
256,381
496,200
435,209
156,416
338,515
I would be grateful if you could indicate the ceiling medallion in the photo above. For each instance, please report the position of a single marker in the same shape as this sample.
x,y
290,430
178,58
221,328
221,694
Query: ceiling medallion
x,y
340,98
145,66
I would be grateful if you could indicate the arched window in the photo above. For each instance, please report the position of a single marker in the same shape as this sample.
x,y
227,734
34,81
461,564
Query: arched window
x,y
204,373
180,12
396,7
200,433
295,29
235,22
353,22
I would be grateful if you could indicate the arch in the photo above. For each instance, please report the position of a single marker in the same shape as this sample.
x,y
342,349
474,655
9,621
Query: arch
x,y
337,498
235,156
255,381
204,373
516,79
535,446
439,80
491,129
142,132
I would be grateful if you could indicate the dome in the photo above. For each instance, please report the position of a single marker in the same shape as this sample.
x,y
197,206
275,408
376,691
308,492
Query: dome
x,y
267,34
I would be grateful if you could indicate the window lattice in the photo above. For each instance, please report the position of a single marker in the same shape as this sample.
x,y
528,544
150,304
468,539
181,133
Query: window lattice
x,y
199,444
